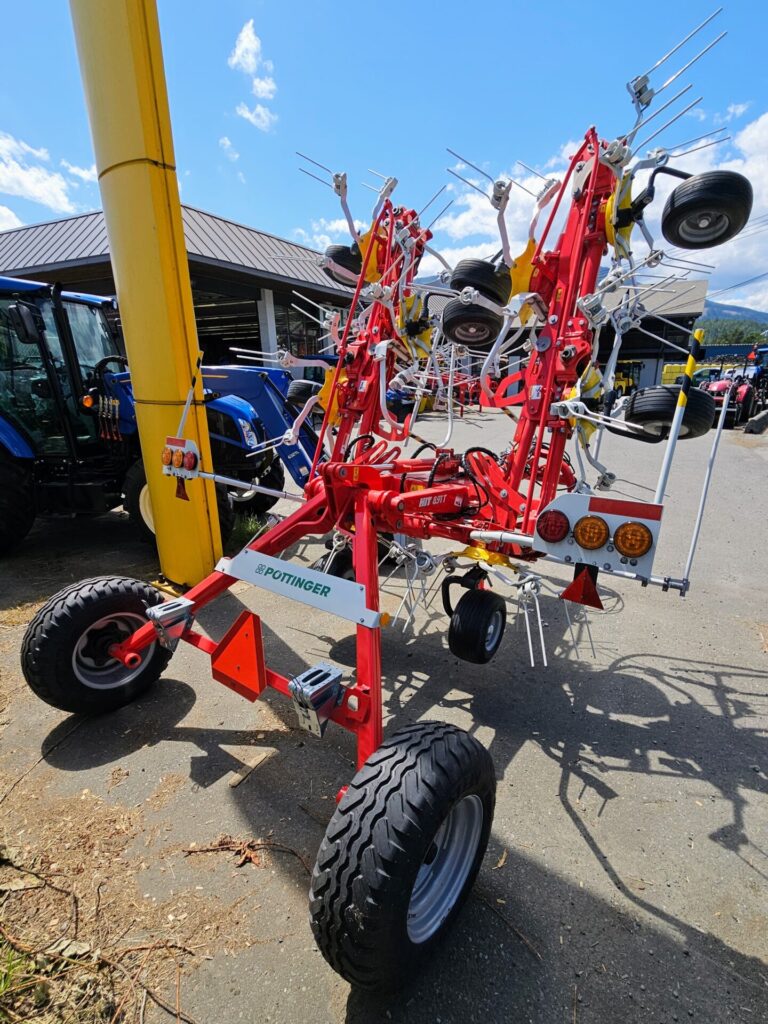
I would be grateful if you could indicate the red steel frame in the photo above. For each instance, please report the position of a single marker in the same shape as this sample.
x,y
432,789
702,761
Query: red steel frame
x,y
373,489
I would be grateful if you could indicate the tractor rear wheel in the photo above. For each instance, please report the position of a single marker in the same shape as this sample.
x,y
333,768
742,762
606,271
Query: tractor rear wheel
x,y
401,853
65,652
17,502
138,504
274,478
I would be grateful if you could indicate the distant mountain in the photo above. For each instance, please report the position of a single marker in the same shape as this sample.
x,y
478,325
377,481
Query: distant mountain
x,y
722,311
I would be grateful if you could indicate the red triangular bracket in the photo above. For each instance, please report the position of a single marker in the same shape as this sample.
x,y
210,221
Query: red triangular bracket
x,y
582,591
238,661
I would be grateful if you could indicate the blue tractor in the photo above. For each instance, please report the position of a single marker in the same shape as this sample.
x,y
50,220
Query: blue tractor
x,y
68,437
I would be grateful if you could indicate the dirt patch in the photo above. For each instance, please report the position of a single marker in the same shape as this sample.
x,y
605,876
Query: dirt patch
x,y
168,787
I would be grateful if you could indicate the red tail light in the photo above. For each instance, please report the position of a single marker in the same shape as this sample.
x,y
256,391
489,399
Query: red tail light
x,y
553,526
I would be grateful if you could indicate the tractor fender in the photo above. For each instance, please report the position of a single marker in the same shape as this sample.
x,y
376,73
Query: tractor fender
x,y
14,442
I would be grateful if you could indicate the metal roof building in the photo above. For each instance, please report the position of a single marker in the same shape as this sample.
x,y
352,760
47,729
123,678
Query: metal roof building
x,y
243,280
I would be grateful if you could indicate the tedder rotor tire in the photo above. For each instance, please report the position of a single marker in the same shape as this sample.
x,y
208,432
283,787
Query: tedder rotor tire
x,y
338,564
347,256
300,391
654,409
470,325
64,655
477,626
494,283
401,853
17,501
707,210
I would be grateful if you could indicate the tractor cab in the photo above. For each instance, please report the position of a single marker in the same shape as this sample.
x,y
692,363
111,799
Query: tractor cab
x,y
52,349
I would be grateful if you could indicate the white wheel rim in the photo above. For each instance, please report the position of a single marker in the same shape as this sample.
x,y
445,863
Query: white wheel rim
x,y
445,869
145,508
90,664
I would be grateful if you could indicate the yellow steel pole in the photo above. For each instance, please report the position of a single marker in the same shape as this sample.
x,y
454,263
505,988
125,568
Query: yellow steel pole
x,y
121,61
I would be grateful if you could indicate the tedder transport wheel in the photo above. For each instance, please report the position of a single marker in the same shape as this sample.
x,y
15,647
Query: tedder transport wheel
x,y
707,210
17,501
401,853
477,626
64,654
470,325
654,408
138,504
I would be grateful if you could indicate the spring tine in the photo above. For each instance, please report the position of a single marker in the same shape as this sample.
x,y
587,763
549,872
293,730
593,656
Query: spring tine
x,y
315,162
715,142
439,215
469,163
378,174
533,194
309,174
541,630
528,631
691,62
692,263
468,182
667,124
434,197
641,124
570,629
531,169
681,43
706,135
371,187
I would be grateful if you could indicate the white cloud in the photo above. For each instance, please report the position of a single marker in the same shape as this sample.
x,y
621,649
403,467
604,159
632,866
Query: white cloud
x,y
246,55
19,176
260,117
733,112
229,150
327,232
8,219
264,88
241,177
84,173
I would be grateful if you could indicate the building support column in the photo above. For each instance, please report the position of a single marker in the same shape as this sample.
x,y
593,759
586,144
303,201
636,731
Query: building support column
x,y
121,62
267,324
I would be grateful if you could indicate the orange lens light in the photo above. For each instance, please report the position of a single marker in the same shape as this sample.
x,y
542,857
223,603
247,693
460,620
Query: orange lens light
x,y
633,540
591,533
167,456
88,401
177,460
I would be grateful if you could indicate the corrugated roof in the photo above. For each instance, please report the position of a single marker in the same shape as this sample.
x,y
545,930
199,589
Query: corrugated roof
x,y
82,240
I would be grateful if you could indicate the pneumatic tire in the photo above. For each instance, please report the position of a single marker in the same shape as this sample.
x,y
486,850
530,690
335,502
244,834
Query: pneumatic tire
x,y
707,210
261,503
339,564
300,391
654,408
347,256
64,654
17,501
477,626
401,853
494,283
138,504
470,325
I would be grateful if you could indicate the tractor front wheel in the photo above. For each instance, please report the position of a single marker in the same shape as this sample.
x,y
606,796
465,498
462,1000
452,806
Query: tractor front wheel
x,y
17,501
401,853
65,652
138,504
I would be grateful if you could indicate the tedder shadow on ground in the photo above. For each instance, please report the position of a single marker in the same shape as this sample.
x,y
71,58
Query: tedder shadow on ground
x,y
643,713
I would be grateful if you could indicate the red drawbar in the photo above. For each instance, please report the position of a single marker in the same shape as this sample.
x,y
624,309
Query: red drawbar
x,y
238,661
582,591
630,509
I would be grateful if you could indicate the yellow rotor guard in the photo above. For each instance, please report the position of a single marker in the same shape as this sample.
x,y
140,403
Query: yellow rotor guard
x,y
520,273
610,213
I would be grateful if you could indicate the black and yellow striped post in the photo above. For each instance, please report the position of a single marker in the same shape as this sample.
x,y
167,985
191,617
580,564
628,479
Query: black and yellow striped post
x,y
695,353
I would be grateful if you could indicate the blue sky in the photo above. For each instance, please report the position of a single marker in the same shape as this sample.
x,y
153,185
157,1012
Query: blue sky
x,y
384,86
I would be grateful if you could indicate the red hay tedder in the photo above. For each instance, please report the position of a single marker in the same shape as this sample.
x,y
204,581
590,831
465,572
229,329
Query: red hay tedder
x,y
410,830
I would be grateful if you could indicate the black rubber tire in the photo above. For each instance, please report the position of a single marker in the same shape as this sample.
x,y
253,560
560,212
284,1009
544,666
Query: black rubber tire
x,y
471,325
347,256
50,642
654,408
17,501
340,564
376,842
261,503
722,198
135,482
731,418
493,283
475,615
300,391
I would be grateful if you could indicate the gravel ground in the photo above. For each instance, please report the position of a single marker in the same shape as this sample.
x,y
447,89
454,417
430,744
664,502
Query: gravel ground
x,y
626,874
